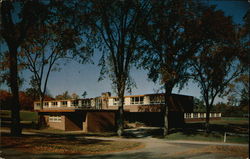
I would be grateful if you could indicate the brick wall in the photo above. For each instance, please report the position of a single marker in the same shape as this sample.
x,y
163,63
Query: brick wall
x,y
100,121
55,125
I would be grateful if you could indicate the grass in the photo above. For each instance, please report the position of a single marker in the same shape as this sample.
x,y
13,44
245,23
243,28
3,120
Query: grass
x,y
212,137
24,115
65,144
232,151
218,128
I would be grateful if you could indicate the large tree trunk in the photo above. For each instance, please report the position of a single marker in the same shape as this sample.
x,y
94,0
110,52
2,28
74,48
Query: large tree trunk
x,y
167,97
207,119
40,117
120,117
15,107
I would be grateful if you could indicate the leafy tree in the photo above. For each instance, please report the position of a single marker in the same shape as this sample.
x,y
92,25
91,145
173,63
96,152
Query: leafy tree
x,y
5,100
215,64
74,96
116,25
169,45
50,43
64,95
17,18
199,105
26,101
84,94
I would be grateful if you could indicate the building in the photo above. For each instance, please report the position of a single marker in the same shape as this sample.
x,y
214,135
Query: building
x,y
98,114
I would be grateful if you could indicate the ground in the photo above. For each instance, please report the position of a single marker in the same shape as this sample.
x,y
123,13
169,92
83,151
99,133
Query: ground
x,y
145,146
189,142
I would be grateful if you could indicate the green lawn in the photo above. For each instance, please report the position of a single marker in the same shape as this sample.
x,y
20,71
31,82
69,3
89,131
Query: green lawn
x,y
213,137
24,115
218,127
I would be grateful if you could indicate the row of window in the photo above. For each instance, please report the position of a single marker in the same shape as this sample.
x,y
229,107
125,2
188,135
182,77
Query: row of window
x,y
65,103
201,115
55,118
140,100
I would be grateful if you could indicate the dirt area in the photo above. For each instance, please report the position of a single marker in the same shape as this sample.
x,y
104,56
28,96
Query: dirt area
x,y
66,145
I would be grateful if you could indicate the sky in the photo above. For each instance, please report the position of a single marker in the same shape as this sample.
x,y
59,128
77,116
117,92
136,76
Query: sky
x,y
77,78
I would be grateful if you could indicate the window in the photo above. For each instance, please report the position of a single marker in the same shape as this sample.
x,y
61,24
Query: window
x,y
55,119
53,104
86,103
74,103
38,104
187,115
64,103
157,99
202,115
136,100
46,104
115,101
195,115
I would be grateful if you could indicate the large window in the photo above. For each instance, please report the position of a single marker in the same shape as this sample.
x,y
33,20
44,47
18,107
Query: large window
x,y
53,104
55,118
86,103
38,104
64,103
115,101
46,104
74,103
157,99
136,100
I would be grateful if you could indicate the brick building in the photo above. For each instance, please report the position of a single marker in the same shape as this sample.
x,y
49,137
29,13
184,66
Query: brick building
x,y
98,114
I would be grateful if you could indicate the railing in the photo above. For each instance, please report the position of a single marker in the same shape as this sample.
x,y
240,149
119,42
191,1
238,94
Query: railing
x,y
201,115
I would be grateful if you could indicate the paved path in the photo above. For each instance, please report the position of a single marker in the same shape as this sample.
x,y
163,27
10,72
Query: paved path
x,y
154,149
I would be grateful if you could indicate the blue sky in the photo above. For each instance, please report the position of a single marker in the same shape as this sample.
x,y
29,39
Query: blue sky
x,y
77,78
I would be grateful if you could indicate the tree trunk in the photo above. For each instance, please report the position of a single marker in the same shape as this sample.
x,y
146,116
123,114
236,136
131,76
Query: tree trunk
x,y
15,107
167,97
207,119
40,117
120,117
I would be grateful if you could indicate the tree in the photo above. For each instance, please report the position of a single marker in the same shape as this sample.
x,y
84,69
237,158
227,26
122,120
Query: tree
x,y
26,101
117,24
51,43
216,64
74,96
169,45
17,18
64,95
199,105
84,94
5,100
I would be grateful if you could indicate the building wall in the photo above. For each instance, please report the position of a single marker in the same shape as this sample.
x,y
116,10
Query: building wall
x,y
100,121
55,125
73,121
176,119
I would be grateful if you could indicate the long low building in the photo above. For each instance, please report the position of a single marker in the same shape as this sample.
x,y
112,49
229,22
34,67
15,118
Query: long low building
x,y
99,113
132,103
